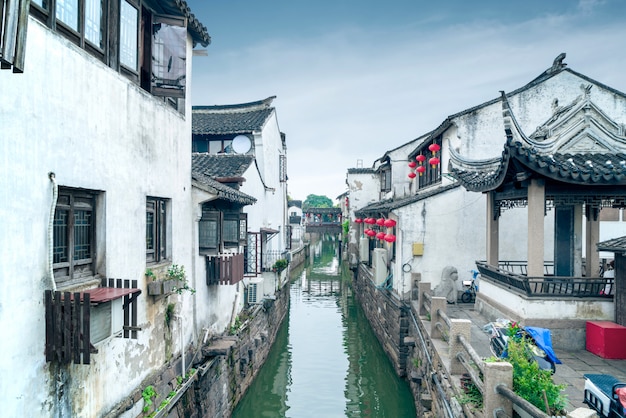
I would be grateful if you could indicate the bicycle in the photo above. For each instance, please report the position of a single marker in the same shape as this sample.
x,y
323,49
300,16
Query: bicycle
x,y
470,293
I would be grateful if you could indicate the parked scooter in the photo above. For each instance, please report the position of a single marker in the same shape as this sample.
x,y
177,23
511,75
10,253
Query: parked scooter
x,y
540,345
605,394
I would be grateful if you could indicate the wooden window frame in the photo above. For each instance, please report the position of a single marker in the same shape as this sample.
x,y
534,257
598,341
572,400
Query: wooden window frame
x,y
109,50
78,200
431,175
157,230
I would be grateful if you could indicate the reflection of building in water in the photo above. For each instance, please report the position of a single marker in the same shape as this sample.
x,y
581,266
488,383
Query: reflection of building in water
x,y
323,287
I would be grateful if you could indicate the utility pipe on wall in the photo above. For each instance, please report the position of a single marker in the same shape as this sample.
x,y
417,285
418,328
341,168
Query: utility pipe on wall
x,y
55,195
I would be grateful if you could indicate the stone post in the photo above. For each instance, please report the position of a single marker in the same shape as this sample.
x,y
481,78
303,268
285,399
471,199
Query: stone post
x,y
436,303
422,288
458,327
497,373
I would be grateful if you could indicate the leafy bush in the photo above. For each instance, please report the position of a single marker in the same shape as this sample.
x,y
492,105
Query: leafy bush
x,y
176,272
280,265
530,382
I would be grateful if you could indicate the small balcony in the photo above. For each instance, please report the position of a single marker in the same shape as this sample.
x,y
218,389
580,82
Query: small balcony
x,y
512,275
224,269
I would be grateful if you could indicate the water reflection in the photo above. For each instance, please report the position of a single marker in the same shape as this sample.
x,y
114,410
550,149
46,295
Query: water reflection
x,y
326,361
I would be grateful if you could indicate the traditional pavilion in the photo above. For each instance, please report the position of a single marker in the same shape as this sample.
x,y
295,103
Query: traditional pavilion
x,y
573,164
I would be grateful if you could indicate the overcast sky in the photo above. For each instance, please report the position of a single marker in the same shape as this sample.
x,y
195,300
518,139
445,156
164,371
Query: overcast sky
x,y
355,78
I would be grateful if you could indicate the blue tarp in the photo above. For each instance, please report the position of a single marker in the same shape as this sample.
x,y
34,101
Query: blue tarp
x,y
544,341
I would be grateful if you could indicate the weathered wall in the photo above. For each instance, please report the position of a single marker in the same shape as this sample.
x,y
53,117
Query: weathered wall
x,y
227,380
386,316
225,367
70,114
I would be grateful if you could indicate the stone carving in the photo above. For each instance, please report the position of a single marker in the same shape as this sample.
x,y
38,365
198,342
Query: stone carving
x,y
448,287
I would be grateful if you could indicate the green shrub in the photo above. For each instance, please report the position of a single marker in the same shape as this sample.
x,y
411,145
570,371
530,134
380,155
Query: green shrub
x,y
530,382
280,265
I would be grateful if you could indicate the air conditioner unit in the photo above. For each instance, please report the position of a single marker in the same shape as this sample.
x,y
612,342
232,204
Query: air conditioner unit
x,y
379,265
255,290
106,319
364,249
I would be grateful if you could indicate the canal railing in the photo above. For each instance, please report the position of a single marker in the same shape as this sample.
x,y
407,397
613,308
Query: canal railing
x,y
494,380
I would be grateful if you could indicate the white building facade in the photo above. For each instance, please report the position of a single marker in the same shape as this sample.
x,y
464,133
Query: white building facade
x,y
96,191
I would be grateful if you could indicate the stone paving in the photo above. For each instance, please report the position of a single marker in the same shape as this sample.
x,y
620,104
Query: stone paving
x,y
575,363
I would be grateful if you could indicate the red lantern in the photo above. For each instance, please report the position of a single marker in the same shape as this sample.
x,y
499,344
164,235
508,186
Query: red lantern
x,y
370,232
390,223
380,235
369,221
434,148
420,158
390,238
358,220
434,162
412,175
421,169
412,164
380,221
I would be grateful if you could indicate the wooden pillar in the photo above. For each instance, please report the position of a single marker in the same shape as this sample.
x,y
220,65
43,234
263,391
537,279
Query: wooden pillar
x,y
536,213
493,231
578,240
592,263
620,289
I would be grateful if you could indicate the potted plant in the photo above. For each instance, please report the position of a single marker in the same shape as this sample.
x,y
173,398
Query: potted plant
x,y
280,265
155,287
176,280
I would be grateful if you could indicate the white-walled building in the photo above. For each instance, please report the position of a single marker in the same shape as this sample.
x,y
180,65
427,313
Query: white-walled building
x,y
440,223
96,191
241,145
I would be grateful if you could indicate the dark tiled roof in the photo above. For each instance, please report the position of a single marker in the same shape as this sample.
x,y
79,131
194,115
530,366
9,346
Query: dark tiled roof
x,y
231,119
384,206
198,31
616,245
227,193
361,170
225,165
590,163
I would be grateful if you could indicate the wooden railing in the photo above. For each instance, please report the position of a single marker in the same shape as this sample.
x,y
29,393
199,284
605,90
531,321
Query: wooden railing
x,y
226,269
548,287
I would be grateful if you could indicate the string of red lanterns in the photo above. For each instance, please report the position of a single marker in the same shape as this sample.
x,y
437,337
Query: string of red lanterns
x,y
382,222
419,167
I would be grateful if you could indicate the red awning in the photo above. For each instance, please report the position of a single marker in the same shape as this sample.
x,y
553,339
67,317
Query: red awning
x,y
107,294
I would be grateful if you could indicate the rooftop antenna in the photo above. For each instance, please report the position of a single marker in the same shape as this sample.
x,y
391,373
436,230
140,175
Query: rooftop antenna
x,y
359,163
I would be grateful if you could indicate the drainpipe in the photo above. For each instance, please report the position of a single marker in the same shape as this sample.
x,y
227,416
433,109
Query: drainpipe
x,y
182,343
55,195
233,315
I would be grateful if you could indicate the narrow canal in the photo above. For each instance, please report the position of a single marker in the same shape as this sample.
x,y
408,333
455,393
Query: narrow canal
x,y
326,361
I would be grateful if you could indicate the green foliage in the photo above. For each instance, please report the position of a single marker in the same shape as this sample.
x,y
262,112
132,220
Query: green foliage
x,y
316,201
148,394
417,362
280,265
530,382
235,326
472,395
150,274
177,273
169,313
346,227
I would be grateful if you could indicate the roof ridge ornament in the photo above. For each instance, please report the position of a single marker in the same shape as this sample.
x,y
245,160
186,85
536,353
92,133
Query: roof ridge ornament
x,y
557,64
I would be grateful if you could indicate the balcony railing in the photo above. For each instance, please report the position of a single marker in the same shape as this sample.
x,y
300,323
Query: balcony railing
x,y
224,269
548,286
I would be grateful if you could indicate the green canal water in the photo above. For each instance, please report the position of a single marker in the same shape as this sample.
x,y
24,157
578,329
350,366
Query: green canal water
x,y
326,361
